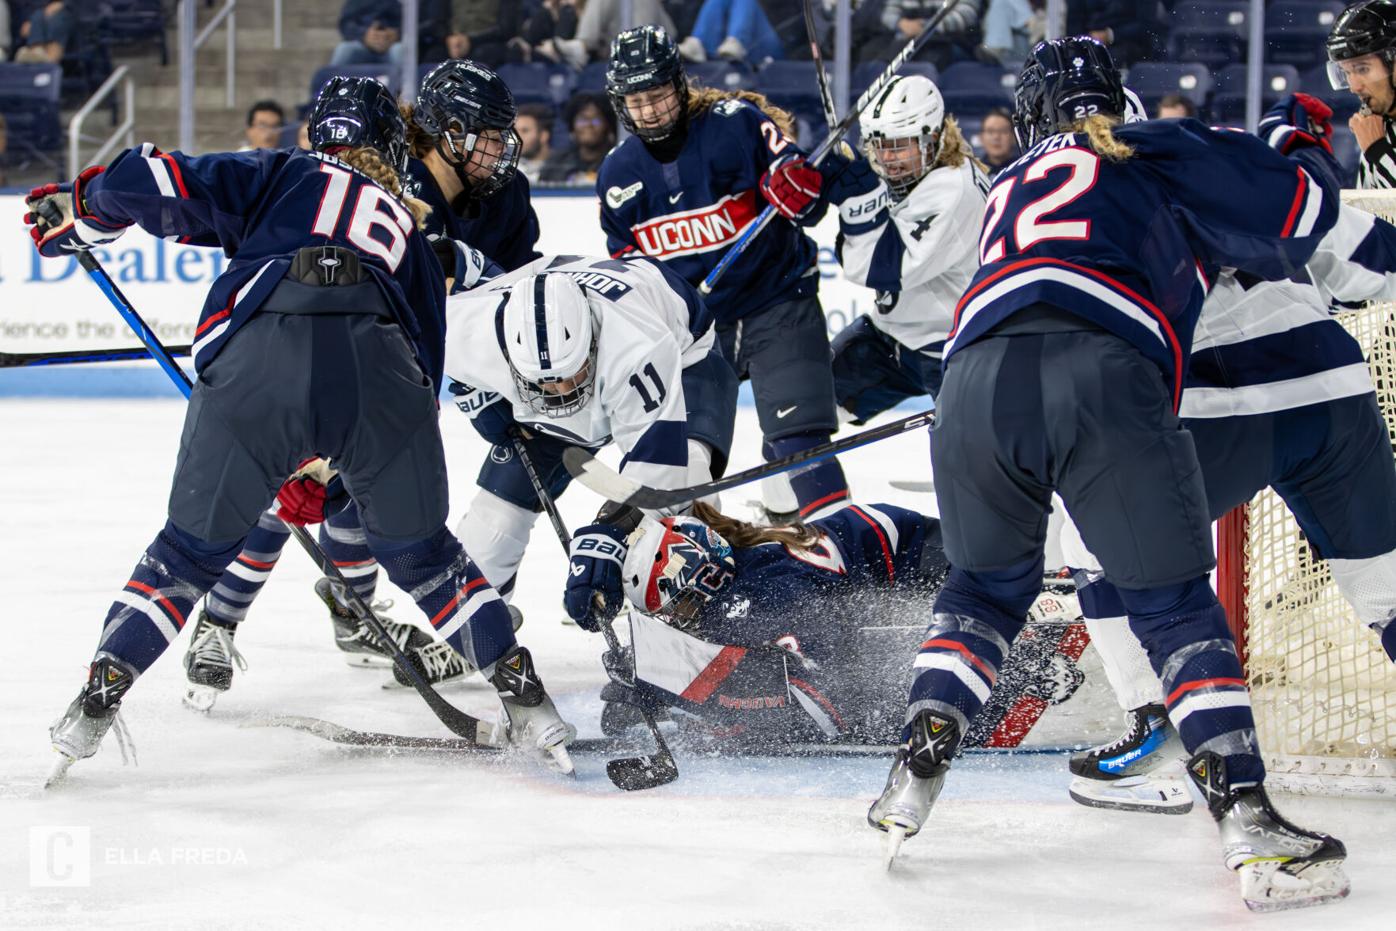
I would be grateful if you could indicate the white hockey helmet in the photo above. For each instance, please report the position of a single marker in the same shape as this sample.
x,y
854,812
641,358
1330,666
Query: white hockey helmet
x,y
674,567
901,131
550,343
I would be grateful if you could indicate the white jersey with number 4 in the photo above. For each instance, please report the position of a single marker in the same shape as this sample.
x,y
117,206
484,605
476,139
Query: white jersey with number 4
x,y
919,254
648,327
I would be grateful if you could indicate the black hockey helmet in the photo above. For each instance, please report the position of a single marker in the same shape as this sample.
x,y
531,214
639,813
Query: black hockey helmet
x,y
462,103
1366,28
641,59
1062,81
355,112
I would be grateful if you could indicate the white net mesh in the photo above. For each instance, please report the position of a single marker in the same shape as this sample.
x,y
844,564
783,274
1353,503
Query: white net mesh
x,y
1323,689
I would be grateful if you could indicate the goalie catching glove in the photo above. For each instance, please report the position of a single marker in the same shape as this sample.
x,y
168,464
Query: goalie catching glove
x,y
313,492
594,590
59,222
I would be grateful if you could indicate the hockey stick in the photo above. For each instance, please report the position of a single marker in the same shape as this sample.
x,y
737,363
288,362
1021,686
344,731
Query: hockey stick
x,y
632,772
609,483
831,113
457,721
10,360
835,135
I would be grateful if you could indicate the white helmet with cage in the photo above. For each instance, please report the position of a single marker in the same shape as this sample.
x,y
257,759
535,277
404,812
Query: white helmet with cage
x,y
901,131
550,343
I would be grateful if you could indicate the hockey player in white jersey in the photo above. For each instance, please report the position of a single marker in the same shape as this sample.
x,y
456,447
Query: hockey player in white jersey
x,y
584,352
906,240
1278,394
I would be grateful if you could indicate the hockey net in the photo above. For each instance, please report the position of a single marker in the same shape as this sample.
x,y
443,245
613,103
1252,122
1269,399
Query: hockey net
x,y
1323,690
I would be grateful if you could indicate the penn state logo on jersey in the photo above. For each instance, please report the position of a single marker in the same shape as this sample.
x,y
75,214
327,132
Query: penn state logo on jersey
x,y
886,301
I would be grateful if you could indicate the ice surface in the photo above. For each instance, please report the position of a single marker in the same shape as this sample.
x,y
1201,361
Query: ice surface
x,y
224,826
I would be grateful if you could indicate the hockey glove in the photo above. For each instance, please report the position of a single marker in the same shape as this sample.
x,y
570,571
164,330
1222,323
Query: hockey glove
x,y
594,590
792,187
464,266
58,221
1296,121
312,493
860,194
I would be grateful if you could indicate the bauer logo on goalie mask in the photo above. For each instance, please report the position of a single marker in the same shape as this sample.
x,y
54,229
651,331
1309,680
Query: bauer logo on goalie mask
x,y
675,566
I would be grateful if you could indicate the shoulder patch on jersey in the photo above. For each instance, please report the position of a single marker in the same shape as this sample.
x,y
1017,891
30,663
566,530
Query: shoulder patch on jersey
x,y
729,107
615,196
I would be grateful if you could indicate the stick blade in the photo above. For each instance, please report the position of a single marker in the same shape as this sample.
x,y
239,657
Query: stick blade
x,y
607,482
634,773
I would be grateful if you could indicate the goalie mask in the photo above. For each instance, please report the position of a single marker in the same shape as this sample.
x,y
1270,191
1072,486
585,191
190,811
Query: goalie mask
x,y
901,132
471,113
674,567
549,339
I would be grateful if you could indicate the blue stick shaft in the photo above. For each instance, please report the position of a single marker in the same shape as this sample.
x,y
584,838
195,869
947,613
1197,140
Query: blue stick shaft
x,y
134,321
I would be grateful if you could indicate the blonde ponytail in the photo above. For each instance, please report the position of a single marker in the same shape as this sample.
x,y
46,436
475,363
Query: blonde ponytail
x,y
1100,130
369,162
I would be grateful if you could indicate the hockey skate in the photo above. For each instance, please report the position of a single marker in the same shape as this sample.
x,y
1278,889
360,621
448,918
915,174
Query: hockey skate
x,y
1281,865
360,645
533,722
438,662
917,775
1138,771
209,662
78,733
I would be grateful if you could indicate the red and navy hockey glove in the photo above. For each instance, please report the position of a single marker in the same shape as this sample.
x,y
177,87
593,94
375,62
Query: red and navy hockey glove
x,y
594,591
312,493
1296,121
58,221
792,186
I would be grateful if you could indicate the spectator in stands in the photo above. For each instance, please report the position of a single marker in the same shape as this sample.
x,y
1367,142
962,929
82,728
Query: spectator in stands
x,y
4,30
1176,106
370,30
486,31
534,124
593,126
1135,30
956,36
600,21
264,123
737,30
550,33
46,34
1011,28
4,147
997,143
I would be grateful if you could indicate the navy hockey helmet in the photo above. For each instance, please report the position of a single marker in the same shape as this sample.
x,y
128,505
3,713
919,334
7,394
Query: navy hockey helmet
x,y
354,112
645,58
471,113
1062,81
674,567
1366,28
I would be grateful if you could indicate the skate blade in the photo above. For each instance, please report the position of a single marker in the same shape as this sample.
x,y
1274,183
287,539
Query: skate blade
x,y
200,698
892,844
1152,795
59,769
558,760
367,660
1265,887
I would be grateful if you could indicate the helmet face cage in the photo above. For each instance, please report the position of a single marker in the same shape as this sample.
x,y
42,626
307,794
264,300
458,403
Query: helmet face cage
x,y
359,112
692,565
1063,81
901,163
471,112
557,404
643,59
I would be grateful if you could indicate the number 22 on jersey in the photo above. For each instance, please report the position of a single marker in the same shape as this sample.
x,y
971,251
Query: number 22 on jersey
x,y
374,209
1074,169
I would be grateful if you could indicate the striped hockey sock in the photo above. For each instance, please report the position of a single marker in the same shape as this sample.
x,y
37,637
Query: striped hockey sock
x,y
344,541
230,599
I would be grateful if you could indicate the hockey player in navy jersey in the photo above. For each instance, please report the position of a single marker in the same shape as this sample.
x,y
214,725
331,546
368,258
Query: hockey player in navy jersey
x,y
1063,372
464,155
1277,395
322,339
583,352
770,635
910,247
698,168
